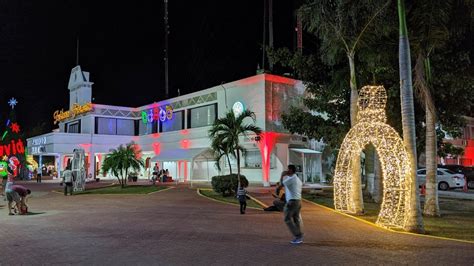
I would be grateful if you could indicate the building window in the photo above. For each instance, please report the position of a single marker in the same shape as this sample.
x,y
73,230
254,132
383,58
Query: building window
x,y
176,123
73,127
106,126
202,116
125,127
253,159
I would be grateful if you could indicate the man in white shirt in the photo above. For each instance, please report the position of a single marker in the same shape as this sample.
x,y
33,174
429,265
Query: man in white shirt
x,y
293,188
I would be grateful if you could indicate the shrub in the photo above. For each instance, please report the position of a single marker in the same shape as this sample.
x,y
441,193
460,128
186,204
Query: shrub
x,y
227,184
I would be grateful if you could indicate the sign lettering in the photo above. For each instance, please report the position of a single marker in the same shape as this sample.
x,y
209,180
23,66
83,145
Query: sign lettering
x,y
76,110
148,116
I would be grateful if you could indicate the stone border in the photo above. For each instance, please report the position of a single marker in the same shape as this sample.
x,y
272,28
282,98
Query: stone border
x,y
198,190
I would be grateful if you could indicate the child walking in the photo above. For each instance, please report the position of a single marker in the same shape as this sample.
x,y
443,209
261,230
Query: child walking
x,y
242,196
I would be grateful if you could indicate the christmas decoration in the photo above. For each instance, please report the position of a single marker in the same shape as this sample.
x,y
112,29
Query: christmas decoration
x,y
12,102
3,169
371,128
15,128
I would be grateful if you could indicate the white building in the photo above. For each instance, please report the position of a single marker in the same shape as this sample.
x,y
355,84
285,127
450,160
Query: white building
x,y
174,132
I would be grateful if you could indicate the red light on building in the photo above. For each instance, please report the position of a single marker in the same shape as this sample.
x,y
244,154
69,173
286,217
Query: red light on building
x,y
86,146
156,147
266,143
184,132
156,135
185,144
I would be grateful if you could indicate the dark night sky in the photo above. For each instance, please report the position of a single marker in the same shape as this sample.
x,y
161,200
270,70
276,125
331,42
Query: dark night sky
x,y
121,45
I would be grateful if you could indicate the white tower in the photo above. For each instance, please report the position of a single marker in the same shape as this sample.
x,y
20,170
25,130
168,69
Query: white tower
x,y
80,88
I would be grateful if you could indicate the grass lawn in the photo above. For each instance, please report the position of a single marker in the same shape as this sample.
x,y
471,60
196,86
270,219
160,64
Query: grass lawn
x,y
117,189
457,218
230,199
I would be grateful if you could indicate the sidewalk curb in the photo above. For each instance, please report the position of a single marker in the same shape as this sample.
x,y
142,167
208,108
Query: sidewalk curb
x,y
198,190
388,229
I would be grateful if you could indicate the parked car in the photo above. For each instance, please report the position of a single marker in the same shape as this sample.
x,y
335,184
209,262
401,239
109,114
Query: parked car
x,y
446,178
467,171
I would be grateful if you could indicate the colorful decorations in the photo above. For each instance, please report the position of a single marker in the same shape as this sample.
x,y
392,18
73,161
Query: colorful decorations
x,y
12,102
371,128
13,164
15,128
157,113
3,169
75,111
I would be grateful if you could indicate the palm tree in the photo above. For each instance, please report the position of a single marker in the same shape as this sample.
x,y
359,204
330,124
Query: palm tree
x,y
340,31
432,33
121,160
221,149
414,222
228,130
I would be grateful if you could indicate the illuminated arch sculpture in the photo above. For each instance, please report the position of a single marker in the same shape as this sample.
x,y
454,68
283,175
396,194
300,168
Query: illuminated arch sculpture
x,y
371,128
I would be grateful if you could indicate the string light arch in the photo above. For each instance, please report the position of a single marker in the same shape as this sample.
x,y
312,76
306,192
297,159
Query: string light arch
x,y
371,128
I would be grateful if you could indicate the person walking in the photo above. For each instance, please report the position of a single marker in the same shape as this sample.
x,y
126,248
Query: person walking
x,y
68,180
293,188
242,196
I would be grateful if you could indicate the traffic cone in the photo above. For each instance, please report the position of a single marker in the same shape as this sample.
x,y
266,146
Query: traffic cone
x,y
423,190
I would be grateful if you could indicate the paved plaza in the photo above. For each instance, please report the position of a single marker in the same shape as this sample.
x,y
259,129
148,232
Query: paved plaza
x,y
177,226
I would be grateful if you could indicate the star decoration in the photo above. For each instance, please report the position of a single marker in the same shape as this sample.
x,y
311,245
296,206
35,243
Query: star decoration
x,y
15,127
12,102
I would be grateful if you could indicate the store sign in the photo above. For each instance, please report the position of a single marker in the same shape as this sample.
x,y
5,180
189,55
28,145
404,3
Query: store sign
x,y
148,116
39,141
76,110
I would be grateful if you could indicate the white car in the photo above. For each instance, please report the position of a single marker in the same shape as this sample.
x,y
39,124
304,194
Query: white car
x,y
446,178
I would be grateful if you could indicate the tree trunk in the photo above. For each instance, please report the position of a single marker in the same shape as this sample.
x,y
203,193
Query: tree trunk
x,y
414,221
431,199
377,194
369,169
356,176
238,168
230,166
353,85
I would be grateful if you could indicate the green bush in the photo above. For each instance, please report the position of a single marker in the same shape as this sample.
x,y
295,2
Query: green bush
x,y
227,184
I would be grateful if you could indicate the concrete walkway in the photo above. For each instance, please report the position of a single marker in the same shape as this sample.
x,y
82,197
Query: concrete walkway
x,y
177,226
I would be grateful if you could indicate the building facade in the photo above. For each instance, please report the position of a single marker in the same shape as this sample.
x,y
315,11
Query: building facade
x,y
174,133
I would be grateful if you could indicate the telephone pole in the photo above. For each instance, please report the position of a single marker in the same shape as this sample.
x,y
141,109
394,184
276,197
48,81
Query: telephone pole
x,y
167,31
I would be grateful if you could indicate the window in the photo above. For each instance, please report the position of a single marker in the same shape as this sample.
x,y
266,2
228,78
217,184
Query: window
x,y
73,127
148,128
439,173
422,172
202,116
106,126
125,127
253,159
177,123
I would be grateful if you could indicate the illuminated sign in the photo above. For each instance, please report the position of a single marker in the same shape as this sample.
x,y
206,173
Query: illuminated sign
x,y
238,108
13,148
157,113
76,110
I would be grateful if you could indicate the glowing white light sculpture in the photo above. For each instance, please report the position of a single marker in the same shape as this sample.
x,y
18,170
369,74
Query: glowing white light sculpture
x,y
371,128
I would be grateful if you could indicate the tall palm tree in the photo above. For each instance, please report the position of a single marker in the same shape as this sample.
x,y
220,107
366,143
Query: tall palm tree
x,y
229,129
414,221
432,19
121,160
